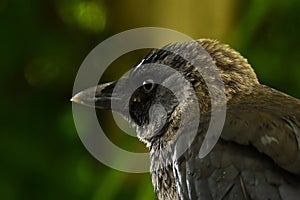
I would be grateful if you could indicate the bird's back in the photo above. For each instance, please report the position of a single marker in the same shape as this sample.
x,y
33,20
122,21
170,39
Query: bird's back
x,y
257,156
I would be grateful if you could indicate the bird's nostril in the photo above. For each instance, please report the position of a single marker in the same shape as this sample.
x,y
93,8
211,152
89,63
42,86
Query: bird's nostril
x,y
136,99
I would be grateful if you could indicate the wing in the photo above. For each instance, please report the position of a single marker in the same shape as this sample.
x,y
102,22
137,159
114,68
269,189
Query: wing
x,y
257,156
270,121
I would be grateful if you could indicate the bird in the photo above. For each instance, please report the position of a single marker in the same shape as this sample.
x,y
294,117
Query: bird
x,y
256,156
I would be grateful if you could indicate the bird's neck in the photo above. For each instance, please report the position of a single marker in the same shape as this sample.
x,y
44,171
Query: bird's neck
x,y
161,169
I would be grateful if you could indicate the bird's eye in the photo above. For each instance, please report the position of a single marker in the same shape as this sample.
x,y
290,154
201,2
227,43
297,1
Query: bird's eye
x,y
148,85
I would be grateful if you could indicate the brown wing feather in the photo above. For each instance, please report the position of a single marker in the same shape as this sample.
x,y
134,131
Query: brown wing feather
x,y
270,121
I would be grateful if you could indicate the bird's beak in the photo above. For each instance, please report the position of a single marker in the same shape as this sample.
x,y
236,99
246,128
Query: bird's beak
x,y
100,96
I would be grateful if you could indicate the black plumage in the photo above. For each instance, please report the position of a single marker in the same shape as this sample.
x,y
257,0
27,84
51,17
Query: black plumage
x,y
258,153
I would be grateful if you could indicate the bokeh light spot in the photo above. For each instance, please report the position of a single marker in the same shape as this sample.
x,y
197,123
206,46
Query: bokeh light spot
x,y
89,16
41,72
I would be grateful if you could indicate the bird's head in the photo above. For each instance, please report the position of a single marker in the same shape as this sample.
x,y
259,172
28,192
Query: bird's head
x,y
166,85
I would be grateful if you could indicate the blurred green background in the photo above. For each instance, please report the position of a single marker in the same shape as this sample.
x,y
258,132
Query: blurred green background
x,y
42,44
